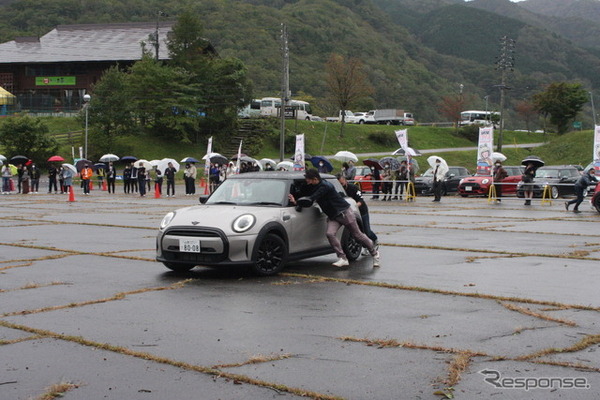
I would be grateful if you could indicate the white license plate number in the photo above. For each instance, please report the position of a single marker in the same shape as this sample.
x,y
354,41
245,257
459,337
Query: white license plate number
x,y
189,245
468,188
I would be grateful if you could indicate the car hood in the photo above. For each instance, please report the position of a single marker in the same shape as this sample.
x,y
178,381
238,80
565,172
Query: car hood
x,y
477,179
424,179
222,216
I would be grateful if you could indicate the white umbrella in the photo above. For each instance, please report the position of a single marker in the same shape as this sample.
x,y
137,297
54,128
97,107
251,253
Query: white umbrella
x,y
109,158
164,164
498,157
264,161
286,165
71,167
409,150
432,159
2,158
345,156
142,164
154,163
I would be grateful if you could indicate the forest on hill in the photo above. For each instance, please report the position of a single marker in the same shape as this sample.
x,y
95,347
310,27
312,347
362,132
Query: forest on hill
x,y
414,52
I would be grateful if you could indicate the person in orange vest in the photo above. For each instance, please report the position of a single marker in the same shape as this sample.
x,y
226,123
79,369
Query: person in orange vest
x,y
86,176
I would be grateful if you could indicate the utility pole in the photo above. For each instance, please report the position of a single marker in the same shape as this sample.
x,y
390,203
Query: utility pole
x,y
593,109
156,41
285,87
505,62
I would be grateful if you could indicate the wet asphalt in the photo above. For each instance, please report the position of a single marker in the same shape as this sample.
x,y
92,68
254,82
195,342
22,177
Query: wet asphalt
x,y
464,286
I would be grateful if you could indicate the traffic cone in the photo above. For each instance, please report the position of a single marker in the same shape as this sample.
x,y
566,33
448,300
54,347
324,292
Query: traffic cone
x,y
71,194
104,186
202,182
156,191
91,184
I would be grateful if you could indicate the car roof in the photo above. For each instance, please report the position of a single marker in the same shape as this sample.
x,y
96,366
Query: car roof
x,y
557,167
291,175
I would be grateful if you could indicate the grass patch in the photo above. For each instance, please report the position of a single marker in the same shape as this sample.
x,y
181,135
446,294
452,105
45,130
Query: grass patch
x,y
257,359
531,313
587,341
57,390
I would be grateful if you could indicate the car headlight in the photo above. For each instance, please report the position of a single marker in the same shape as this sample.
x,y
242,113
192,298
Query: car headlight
x,y
243,223
485,181
167,220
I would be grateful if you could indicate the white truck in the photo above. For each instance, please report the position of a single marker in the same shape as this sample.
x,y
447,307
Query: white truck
x,y
390,117
348,117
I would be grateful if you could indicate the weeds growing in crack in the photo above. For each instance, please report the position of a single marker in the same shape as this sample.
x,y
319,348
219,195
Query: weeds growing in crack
x,y
257,359
531,313
587,341
57,390
19,340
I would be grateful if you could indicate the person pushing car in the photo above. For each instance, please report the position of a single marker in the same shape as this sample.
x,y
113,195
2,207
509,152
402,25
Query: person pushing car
x,y
338,213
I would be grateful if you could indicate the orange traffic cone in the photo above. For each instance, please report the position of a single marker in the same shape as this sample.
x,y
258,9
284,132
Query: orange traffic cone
x,y
156,191
91,184
202,182
104,186
71,194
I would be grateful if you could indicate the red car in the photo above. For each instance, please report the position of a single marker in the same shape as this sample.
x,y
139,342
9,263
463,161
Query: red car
x,y
479,185
596,198
364,178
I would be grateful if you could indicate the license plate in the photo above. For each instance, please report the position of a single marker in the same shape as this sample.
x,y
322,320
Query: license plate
x,y
468,188
189,245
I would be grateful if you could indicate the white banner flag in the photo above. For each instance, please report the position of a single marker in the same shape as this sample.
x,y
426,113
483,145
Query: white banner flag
x,y
484,151
596,156
299,153
239,155
208,153
402,136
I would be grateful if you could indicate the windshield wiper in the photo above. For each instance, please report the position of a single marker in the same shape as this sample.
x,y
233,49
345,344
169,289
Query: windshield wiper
x,y
223,202
264,203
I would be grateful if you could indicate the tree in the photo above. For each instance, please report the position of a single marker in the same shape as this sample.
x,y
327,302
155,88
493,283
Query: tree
x,y
24,135
526,111
451,106
346,82
561,101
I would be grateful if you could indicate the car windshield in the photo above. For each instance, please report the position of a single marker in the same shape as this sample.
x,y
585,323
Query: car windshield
x,y
429,172
259,192
546,173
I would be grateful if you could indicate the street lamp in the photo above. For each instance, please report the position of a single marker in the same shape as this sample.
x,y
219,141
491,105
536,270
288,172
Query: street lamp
x,y
86,104
593,109
486,107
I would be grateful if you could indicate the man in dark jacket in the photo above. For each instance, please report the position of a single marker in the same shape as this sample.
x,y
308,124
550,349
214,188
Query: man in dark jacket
x,y
353,192
338,213
582,183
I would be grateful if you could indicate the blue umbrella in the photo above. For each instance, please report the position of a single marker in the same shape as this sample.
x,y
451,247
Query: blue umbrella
x,y
189,160
129,158
316,159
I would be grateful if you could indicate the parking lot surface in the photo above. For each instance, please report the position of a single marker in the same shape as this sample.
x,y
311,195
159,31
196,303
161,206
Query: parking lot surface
x,y
472,300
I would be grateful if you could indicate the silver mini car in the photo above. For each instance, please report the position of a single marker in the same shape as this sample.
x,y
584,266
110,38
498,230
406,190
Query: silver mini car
x,y
249,221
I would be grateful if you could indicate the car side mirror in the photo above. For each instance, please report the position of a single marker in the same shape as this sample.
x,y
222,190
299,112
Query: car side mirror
x,y
304,202
203,198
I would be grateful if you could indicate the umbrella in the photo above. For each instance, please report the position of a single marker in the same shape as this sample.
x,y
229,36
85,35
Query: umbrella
x,y
498,157
98,166
56,159
235,156
13,169
164,164
373,163
129,158
216,158
71,167
285,165
248,159
2,158
80,164
307,157
345,156
189,160
394,164
142,164
154,163
316,159
109,158
264,161
535,160
19,159
431,161
414,164
410,150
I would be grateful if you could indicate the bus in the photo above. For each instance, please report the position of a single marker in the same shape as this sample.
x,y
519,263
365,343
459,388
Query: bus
x,y
298,109
252,110
476,117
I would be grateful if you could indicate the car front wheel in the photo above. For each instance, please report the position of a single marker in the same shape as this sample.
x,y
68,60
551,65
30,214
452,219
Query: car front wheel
x,y
179,267
270,256
554,192
352,248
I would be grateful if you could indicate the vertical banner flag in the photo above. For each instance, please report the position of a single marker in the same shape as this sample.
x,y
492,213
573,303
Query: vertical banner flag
x,y
596,157
402,136
80,152
484,151
208,153
238,162
299,153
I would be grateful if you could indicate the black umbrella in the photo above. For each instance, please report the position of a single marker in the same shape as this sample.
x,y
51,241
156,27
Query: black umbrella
x,y
129,158
98,166
394,164
373,163
535,160
19,160
81,163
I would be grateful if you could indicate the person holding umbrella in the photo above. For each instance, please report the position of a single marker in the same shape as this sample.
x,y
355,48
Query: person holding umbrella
x,y
170,175
86,175
35,178
189,176
52,173
111,176
532,163
6,176
67,175
439,174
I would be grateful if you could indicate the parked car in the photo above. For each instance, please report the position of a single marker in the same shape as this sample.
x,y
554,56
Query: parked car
x,y
249,221
479,185
424,183
560,180
364,178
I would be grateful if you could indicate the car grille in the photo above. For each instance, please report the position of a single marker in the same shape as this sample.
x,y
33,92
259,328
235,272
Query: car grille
x,y
214,245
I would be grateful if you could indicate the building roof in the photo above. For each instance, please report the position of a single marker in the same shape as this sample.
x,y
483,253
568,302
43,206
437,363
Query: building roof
x,y
93,42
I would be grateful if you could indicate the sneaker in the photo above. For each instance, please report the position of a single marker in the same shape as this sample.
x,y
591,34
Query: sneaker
x,y
341,262
365,252
376,259
576,211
